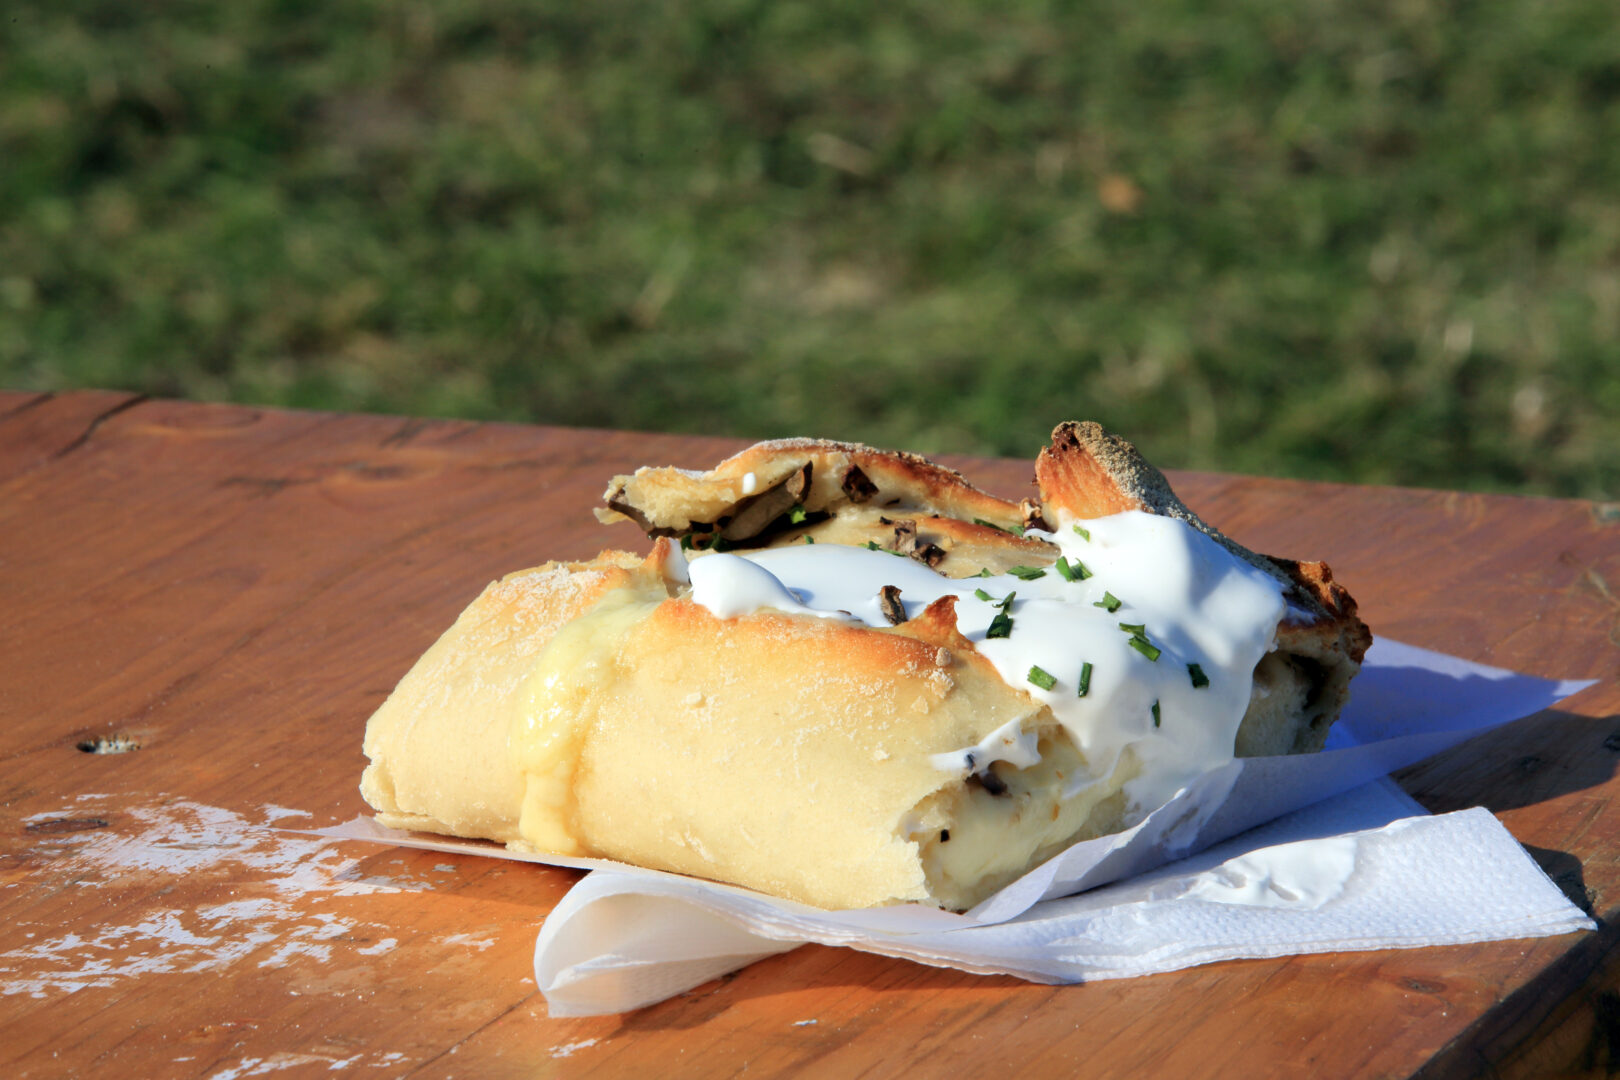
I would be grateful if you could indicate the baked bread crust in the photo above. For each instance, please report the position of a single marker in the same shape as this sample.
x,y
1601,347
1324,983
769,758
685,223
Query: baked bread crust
x,y
594,708
1085,472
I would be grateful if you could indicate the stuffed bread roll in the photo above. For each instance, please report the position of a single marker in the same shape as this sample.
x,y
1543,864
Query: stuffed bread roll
x,y
881,693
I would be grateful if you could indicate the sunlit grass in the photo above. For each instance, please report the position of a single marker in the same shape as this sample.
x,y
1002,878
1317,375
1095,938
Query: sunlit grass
x,y
1370,242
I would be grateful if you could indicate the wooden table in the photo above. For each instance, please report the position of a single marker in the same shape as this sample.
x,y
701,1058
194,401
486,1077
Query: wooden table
x,y
235,589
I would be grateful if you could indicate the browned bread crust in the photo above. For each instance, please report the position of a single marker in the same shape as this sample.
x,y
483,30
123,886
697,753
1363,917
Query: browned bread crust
x,y
596,709
854,494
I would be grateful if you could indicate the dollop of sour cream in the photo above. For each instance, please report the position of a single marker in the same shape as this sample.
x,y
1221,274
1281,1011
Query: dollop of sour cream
x,y
1160,625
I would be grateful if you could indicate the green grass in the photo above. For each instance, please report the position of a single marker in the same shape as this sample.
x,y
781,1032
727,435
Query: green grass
x,y
1366,241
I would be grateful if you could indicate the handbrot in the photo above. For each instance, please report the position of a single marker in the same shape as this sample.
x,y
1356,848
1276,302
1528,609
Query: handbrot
x,y
846,677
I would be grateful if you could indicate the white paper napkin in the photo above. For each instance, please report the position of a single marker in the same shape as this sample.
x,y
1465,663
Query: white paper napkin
x,y
1375,876
1370,874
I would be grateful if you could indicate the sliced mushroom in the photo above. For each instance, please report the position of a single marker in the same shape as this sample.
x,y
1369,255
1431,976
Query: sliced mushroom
x,y
1031,509
906,543
857,485
753,516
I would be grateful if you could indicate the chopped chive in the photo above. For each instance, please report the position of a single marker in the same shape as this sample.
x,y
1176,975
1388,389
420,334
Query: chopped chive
x,y
809,539
686,542
988,524
872,545
797,515
1136,628
1085,679
1075,571
1041,677
1196,674
985,572
1018,530
1109,603
1026,573
982,595
720,543
1001,625
1145,647
1082,533
1155,714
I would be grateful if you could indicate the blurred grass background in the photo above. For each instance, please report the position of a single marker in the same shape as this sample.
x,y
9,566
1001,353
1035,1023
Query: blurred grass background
x,y
1376,241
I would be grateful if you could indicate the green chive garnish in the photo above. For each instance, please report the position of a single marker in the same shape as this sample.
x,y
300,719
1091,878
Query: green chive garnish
x,y
809,539
1155,714
1001,625
872,545
1085,679
1082,533
797,515
985,572
1041,678
988,524
982,595
1026,573
1017,530
1109,603
1196,674
720,543
1139,639
1145,647
1075,571
686,542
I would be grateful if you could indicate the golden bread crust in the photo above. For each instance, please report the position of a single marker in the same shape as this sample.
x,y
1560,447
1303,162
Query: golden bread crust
x,y
768,750
817,474
1084,472
594,708
467,784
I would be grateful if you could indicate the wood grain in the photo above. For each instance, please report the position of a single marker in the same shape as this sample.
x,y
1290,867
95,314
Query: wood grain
x,y
236,589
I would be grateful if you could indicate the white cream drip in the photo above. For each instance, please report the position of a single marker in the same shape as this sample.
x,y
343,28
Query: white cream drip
x,y
1009,743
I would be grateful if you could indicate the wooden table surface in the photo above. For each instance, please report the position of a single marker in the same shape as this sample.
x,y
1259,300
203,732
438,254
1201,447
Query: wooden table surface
x,y
235,590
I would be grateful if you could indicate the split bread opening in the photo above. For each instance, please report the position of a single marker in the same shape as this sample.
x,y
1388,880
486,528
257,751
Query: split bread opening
x,y
664,711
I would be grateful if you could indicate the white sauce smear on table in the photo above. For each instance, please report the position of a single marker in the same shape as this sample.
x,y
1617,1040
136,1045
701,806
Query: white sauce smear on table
x,y
1196,602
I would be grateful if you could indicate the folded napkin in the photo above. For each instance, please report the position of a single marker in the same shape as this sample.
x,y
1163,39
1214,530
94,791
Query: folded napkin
x,y
1364,870
1338,862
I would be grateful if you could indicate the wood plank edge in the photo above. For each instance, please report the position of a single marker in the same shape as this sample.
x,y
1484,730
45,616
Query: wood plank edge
x,y
1563,1022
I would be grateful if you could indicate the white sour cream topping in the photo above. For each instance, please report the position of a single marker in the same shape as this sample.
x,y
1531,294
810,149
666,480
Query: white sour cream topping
x,y
1199,603
730,585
